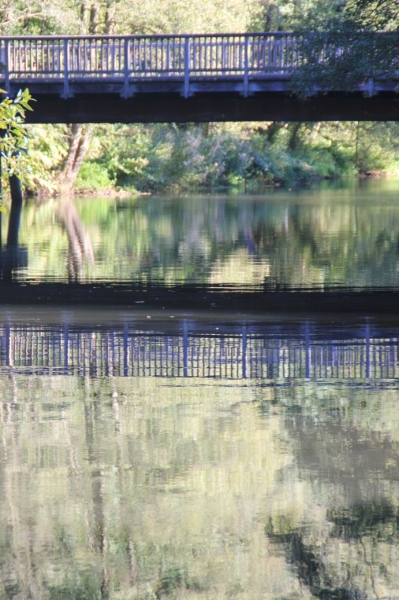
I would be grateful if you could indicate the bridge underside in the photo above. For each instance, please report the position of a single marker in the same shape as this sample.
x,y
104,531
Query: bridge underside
x,y
96,103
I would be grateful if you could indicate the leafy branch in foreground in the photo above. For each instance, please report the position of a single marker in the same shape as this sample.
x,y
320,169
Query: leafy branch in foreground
x,y
13,131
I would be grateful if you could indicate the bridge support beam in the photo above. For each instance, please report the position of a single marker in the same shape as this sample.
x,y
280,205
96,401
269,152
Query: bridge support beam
x,y
211,106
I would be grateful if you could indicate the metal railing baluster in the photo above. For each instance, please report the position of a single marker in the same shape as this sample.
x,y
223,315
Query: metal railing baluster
x,y
7,65
66,72
186,67
246,67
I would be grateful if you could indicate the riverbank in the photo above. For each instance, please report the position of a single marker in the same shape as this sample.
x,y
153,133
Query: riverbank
x,y
163,158
245,187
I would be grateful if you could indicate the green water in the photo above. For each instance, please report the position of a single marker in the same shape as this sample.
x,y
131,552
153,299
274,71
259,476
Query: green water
x,y
344,235
203,456
198,459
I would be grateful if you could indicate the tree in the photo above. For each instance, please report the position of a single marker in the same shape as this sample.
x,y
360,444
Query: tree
x,y
345,57
121,16
345,52
13,132
374,14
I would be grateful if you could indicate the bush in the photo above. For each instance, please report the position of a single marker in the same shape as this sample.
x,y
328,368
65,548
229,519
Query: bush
x,y
93,176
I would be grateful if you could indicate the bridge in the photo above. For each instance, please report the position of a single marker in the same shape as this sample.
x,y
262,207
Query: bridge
x,y
177,78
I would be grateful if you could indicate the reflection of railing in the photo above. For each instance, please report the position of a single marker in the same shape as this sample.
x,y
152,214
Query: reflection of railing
x,y
234,354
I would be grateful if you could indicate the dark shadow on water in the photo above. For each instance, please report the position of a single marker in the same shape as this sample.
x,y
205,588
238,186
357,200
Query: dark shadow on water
x,y
197,297
379,520
373,523
311,570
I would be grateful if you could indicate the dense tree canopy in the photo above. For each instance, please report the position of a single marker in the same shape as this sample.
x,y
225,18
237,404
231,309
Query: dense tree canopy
x,y
120,16
345,52
374,14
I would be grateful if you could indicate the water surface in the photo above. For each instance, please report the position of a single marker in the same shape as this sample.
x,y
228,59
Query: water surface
x,y
177,454
346,235
197,458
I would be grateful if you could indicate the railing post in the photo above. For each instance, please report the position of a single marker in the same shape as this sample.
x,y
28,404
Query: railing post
x,y
7,65
368,351
246,66
308,351
9,361
185,348
370,87
224,58
186,67
244,352
66,348
126,69
167,62
66,69
125,350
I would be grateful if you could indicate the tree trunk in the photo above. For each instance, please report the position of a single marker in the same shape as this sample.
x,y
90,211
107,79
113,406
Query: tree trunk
x,y
16,210
270,129
293,142
79,142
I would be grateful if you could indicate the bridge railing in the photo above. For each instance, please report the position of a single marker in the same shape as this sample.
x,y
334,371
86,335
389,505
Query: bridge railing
x,y
149,56
190,59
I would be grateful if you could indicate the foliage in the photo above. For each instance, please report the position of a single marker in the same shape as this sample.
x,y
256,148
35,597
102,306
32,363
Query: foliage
x,y
344,51
12,130
154,158
119,16
374,14
163,157
344,58
93,176
283,15
47,149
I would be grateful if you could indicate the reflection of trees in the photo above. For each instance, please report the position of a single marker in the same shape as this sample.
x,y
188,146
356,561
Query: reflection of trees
x,y
97,534
79,244
50,550
180,240
113,488
378,519
351,466
362,526
147,485
183,240
311,570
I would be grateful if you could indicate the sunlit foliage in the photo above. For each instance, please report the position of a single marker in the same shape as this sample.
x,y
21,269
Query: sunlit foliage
x,y
12,130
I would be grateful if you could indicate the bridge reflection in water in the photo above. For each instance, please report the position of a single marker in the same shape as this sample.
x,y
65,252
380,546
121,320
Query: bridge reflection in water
x,y
192,350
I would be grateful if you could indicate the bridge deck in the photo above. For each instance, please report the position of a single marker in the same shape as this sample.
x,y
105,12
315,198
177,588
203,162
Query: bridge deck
x,y
176,78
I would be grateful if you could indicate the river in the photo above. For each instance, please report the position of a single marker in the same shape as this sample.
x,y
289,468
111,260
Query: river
x,y
214,454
